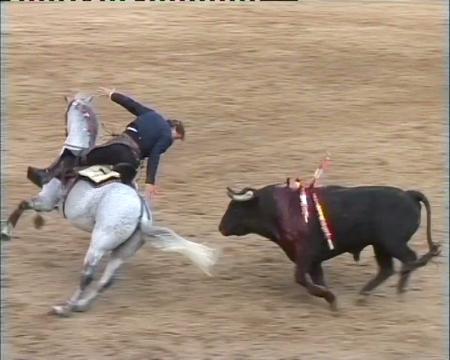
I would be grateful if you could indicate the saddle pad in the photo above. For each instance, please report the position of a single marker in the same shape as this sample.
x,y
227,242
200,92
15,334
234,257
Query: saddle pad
x,y
99,173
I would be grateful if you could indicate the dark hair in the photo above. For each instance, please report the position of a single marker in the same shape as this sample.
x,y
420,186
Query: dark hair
x,y
178,125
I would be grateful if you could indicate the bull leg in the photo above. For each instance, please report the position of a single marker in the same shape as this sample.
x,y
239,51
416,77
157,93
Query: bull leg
x,y
304,278
408,257
385,270
412,264
317,274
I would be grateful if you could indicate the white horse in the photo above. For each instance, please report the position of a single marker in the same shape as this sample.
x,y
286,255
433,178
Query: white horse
x,y
114,213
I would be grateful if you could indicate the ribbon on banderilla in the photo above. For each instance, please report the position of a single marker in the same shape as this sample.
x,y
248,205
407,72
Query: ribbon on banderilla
x,y
324,165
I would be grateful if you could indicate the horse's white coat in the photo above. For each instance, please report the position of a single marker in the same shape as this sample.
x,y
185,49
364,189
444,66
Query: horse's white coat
x,y
83,130
49,197
115,214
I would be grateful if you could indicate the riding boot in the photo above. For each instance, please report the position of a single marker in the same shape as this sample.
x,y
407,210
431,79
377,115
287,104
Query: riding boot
x,y
40,177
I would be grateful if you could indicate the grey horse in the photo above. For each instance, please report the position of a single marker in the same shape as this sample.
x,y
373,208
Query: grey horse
x,y
115,214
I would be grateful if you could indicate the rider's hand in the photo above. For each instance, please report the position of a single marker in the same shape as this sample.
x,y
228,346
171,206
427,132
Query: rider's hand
x,y
103,91
151,191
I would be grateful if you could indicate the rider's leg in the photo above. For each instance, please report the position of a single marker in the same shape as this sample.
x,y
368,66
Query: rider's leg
x,y
110,155
103,155
64,162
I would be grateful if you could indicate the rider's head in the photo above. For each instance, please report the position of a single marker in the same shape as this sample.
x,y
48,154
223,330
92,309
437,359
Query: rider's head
x,y
177,129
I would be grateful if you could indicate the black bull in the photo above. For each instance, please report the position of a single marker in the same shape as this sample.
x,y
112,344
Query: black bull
x,y
381,216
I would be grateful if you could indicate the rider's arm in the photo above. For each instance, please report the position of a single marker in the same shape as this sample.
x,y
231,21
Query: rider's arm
x,y
132,106
153,160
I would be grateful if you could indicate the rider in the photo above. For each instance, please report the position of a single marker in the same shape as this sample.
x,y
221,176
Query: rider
x,y
149,135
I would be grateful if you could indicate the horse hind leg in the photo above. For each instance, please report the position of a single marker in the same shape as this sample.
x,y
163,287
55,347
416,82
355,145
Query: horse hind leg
x,y
92,259
118,257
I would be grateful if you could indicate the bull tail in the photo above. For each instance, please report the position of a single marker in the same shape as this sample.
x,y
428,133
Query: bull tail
x,y
421,198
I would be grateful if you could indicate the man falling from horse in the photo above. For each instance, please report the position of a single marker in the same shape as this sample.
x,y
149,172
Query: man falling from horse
x,y
149,135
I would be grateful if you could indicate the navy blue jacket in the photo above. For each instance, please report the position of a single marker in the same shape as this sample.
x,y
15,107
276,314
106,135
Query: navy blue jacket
x,y
153,130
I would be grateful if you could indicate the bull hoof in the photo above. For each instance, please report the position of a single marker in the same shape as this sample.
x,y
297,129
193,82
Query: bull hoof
x,y
362,299
334,307
60,310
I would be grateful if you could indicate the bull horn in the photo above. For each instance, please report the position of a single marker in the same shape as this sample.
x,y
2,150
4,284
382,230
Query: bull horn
x,y
246,195
230,191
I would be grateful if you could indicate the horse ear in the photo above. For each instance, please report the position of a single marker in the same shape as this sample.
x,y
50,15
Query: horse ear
x,y
66,98
89,98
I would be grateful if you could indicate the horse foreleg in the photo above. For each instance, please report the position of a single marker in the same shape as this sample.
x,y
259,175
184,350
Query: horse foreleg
x,y
11,223
45,201
118,257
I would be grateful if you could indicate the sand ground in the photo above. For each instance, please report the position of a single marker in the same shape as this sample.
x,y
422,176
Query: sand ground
x,y
265,90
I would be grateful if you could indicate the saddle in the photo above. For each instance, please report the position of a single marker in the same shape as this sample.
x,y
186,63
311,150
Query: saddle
x,y
99,175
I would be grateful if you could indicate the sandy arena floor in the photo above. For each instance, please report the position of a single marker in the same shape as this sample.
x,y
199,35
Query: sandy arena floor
x,y
265,90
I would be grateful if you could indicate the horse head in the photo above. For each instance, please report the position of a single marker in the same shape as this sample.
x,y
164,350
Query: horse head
x,y
81,122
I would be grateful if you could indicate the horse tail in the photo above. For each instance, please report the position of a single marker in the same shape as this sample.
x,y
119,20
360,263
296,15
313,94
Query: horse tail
x,y
166,239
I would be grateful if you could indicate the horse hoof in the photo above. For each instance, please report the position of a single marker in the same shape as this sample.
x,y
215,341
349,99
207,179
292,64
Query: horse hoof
x,y
5,237
60,310
6,233
81,307
39,222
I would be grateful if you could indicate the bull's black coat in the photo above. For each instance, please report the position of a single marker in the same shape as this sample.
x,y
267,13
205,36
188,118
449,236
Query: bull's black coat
x,y
381,216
